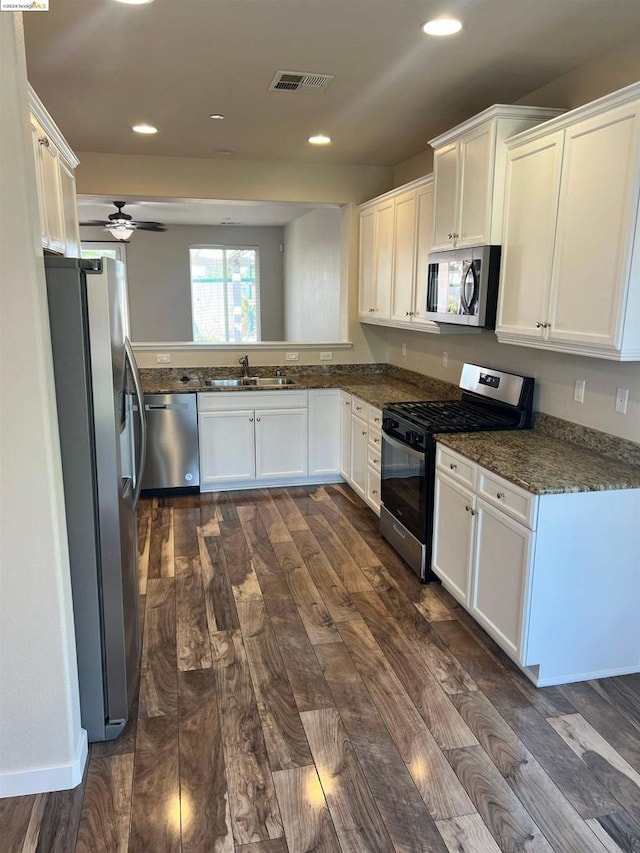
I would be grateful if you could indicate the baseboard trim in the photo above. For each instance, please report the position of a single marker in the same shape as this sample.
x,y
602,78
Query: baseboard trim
x,y
43,779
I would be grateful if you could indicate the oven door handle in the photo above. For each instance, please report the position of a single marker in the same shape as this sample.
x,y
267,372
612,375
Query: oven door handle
x,y
400,445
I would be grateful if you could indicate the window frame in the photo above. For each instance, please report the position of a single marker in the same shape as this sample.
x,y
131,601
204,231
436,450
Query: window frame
x,y
226,248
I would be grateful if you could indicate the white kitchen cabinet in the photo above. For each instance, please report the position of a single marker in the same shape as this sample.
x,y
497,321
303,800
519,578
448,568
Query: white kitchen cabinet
x,y
345,435
359,454
325,431
250,437
281,443
404,255
529,569
571,262
453,536
469,174
227,447
54,164
376,260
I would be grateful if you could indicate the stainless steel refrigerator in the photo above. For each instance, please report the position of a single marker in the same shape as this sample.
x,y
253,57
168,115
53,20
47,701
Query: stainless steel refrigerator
x,y
102,438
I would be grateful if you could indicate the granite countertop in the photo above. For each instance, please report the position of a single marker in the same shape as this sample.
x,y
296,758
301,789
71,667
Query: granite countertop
x,y
374,388
542,464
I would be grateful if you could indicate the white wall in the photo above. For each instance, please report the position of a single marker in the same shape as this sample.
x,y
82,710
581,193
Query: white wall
x,y
41,743
312,276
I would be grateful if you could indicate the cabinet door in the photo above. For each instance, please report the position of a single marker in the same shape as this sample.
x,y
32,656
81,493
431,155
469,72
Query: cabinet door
x,y
424,229
38,134
53,214
324,431
345,435
453,528
383,258
531,204
227,446
373,489
445,206
477,154
69,211
598,199
499,586
281,443
359,455
367,297
404,256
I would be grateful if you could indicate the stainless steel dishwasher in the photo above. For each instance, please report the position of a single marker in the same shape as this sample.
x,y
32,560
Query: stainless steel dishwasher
x,y
172,442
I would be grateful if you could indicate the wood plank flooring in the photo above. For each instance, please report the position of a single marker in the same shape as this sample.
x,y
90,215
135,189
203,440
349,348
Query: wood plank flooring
x,y
301,691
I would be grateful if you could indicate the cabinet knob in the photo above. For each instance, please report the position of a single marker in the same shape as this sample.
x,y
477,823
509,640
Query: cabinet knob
x,y
453,466
376,420
43,141
472,511
374,492
407,313
500,495
376,441
450,236
371,310
347,403
455,236
257,419
364,432
538,325
376,461
468,508
250,420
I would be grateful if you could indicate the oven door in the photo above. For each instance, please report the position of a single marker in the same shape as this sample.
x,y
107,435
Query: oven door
x,y
403,485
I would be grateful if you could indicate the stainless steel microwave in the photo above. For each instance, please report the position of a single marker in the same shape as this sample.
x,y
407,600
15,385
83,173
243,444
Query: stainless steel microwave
x,y
462,286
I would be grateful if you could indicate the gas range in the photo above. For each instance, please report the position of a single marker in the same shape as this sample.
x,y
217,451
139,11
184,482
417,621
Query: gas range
x,y
491,400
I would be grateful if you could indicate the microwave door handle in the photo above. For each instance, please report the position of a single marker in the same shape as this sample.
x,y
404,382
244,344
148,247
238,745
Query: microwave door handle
x,y
468,304
128,351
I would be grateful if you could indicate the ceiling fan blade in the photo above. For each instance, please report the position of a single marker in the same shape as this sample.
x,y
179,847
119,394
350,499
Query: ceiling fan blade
x,y
150,226
94,222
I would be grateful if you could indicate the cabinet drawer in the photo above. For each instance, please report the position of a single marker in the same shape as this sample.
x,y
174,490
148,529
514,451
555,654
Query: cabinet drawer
x,y
375,417
216,401
360,409
456,466
374,458
511,499
375,438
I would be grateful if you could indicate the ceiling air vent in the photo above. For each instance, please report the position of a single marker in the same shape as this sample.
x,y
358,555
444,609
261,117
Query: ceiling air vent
x,y
300,81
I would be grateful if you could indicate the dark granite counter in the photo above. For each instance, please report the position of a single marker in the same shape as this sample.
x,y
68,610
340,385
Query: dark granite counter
x,y
542,464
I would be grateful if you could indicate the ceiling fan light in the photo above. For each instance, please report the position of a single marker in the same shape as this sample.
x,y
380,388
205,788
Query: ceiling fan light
x,y
443,26
120,230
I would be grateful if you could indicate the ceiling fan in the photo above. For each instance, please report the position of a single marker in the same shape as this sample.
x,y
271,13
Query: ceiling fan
x,y
122,226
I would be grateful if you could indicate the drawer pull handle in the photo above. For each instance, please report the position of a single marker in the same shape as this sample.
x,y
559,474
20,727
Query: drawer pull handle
x,y
500,495
453,466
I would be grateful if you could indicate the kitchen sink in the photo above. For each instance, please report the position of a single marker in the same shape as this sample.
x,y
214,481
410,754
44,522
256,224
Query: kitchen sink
x,y
252,382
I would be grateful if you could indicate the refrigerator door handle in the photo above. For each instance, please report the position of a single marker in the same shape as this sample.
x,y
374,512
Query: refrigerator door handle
x,y
143,421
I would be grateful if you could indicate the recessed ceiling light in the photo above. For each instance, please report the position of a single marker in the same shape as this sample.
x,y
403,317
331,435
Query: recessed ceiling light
x,y
135,2
320,139
218,116
144,128
442,27
224,152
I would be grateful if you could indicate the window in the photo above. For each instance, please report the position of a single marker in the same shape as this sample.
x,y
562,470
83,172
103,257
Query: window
x,y
225,294
103,250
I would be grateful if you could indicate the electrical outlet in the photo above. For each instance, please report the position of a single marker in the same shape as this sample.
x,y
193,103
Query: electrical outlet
x,y
404,349
622,399
578,390
292,356
326,356
163,358
445,359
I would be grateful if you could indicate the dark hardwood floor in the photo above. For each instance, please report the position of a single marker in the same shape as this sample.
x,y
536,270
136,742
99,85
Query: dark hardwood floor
x,y
301,691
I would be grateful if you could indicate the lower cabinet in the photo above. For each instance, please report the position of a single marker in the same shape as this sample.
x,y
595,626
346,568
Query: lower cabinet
x,y
362,449
280,437
552,578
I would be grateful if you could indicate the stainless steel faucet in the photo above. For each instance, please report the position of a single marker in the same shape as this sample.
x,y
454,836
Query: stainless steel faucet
x,y
244,361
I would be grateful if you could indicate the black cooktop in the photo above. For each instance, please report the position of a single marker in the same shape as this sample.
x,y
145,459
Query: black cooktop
x,y
451,416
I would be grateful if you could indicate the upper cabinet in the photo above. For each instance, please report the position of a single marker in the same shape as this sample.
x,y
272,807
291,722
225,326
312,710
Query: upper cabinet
x,y
55,163
571,244
395,241
469,172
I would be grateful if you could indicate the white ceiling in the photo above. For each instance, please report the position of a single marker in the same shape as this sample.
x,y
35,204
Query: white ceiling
x,y
101,66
